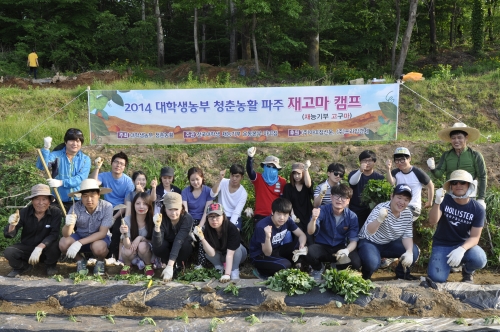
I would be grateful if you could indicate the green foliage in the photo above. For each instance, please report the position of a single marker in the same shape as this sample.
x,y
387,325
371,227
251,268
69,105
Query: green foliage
x,y
331,322
147,320
301,319
442,73
58,277
346,282
461,321
214,323
291,281
232,288
252,319
132,278
81,276
477,25
492,320
285,68
376,192
73,319
109,317
203,274
184,317
391,320
40,316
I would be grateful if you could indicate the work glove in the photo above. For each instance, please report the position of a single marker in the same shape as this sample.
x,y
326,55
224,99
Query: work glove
x,y
14,218
249,212
225,278
54,183
35,256
251,151
71,219
74,249
324,188
98,162
295,219
342,257
482,203
168,273
382,214
299,252
124,228
198,232
455,257
47,142
406,259
431,164
438,198
307,164
157,221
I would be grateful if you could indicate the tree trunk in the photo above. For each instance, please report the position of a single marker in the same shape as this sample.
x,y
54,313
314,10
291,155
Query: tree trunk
x,y
313,35
204,36
233,53
254,42
412,17
246,51
490,23
143,10
452,25
196,50
159,36
432,27
396,37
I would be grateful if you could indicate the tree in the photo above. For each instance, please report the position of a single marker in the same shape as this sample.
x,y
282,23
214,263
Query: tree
x,y
159,36
477,24
405,44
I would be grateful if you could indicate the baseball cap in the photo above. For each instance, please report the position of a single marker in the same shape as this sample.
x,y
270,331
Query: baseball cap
x,y
298,167
215,208
167,171
172,200
402,150
402,188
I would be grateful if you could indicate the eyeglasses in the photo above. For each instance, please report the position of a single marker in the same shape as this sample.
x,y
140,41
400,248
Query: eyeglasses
x,y
454,183
119,163
368,160
338,197
400,160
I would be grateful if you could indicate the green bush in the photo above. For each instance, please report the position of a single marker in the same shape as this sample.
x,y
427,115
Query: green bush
x,y
376,192
346,282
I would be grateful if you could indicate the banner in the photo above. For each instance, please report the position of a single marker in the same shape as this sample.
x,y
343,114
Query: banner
x,y
238,115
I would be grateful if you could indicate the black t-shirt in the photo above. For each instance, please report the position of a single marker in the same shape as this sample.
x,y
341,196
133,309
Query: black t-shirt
x,y
355,203
301,201
233,239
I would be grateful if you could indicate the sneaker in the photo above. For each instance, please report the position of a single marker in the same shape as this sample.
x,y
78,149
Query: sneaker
x,y
14,273
148,271
81,265
467,277
99,268
125,270
407,276
51,270
317,274
386,262
456,269
235,274
197,267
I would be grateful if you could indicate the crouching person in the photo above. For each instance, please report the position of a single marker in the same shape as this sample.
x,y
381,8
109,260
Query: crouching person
x,y
388,232
460,221
40,225
171,240
90,218
222,243
268,253
336,230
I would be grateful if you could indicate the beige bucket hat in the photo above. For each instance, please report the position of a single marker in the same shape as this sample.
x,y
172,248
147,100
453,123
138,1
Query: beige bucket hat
x,y
90,184
472,133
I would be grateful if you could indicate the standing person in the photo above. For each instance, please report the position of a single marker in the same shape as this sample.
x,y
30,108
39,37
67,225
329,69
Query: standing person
x,y
335,173
232,195
137,232
268,185
171,235
121,186
268,254
33,63
388,232
358,180
39,238
222,243
460,221
195,199
91,219
336,230
462,157
70,166
299,193
140,182
167,178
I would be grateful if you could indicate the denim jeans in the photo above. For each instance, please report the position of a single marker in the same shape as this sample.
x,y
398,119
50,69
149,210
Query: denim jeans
x,y
371,253
438,270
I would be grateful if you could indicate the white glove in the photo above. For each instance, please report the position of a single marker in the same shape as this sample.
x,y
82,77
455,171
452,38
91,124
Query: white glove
x,y
382,214
482,203
251,151
74,249
71,219
324,187
307,164
14,218
297,253
407,259
35,256
431,164
295,219
225,278
47,142
168,273
198,232
438,198
98,162
249,212
54,183
157,221
455,257
342,257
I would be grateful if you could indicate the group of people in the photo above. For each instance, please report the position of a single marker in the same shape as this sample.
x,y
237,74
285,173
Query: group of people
x,y
294,223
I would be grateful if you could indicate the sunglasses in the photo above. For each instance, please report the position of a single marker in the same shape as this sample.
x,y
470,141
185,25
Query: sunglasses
x,y
75,132
270,166
454,183
340,174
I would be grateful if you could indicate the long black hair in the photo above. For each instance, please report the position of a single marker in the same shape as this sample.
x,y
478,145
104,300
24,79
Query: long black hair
x,y
134,229
213,238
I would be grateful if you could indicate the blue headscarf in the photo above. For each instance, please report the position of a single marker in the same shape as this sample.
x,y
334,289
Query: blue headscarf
x,y
270,175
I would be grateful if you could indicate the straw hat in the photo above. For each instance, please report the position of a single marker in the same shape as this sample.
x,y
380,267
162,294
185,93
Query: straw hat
x,y
472,133
40,190
90,184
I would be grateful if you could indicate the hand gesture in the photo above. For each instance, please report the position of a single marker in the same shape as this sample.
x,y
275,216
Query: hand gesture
x,y
98,162
222,174
157,221
388,163
54,183
249,212
168,273
251,151
362,167
139,188
71,219
35,256
431,164
342,256
307,164
455,256
47,142
268,230
225,278
315,213
198,232
382,214
14,218
407,259
154,183
123,227
439,196
324,188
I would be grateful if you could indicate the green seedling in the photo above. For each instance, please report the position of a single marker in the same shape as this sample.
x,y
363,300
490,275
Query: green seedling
x,y
40,316
183,317
391,320
492,320
301,319
73,319
203,274
81,276
330,323
367,320
109,317
214,323
147,320
58,277
195,306
232,288
461,321
252,319
291,281
132,279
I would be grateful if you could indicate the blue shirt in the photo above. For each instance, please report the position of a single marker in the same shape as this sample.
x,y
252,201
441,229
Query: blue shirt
x,y
121,187
196,206
329,233
277,235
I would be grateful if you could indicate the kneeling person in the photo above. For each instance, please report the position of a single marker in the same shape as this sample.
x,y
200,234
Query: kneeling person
x,y
92,217
388,231
460,221
40,223
267,252
336,230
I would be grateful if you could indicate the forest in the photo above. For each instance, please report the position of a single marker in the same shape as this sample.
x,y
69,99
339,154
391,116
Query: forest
x,y
377,36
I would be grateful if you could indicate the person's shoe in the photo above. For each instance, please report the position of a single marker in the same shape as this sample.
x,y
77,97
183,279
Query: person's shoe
x,y
99,268
148,271
125,270
386,262
427,282
81,265
51,270
456,269
407,276
317,274
235,274
14,273
467,277
197,267
259,275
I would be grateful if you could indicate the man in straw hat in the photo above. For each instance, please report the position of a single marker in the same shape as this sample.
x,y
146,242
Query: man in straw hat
x,y
92,217
462,157
40,223
460,221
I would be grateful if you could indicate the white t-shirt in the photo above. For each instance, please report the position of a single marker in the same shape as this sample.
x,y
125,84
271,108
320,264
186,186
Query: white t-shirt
x,y
233,203
416,179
